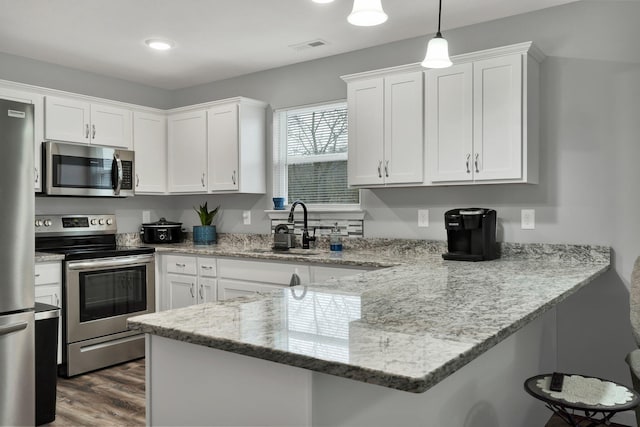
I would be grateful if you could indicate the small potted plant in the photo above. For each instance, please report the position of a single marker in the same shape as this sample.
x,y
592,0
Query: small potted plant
x,y
205,234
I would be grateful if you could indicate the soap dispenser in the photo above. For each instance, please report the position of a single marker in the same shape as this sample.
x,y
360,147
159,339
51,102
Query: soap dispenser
x,y
335,239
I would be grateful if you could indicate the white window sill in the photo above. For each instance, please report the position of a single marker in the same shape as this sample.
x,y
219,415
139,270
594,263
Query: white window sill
x,y
324,212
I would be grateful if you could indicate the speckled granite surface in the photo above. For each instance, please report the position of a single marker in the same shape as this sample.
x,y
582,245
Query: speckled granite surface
x,y
407,326
44,257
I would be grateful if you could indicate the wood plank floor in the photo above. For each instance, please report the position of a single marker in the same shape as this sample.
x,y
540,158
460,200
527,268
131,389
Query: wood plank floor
x,y
109,397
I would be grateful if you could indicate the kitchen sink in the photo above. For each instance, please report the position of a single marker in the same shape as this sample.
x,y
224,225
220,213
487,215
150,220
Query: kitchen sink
x,y
293,251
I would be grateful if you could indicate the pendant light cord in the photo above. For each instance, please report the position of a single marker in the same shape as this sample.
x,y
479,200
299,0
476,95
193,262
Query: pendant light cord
x,y
438,34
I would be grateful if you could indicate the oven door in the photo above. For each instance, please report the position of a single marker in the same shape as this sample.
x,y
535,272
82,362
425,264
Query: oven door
x,y
100,294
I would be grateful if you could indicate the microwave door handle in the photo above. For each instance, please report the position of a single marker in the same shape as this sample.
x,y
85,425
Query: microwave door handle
x,y
117,181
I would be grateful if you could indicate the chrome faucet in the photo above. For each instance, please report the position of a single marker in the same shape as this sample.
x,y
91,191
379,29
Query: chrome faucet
x,y
305,230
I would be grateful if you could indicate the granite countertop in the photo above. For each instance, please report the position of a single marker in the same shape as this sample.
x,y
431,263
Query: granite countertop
x,y
45,257
407,326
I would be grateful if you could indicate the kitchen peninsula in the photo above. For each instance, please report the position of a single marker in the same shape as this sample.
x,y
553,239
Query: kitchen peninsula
x,y
422,342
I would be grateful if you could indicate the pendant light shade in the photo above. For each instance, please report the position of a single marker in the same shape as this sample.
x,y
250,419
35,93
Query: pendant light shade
x,y
367,13
438,49
437,53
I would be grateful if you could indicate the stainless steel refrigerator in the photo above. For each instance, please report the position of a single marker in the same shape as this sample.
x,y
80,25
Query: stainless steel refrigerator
x,y
17,325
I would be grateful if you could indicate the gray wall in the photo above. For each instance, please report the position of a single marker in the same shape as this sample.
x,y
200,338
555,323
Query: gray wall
x,y
590,104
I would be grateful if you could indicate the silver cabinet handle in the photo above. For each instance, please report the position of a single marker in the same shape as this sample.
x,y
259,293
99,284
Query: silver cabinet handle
x,y
233,177
86,130
5,330
202,292
37,275
202,179
386,168
57,299
206,267
475,162
191,289
37,175
180,265
380,169
93,131
137,181
468,157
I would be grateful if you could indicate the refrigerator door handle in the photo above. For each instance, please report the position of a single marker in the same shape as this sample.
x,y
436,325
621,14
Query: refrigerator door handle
x,y
6,330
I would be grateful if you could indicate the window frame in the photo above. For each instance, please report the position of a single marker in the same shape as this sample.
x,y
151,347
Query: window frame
x,y
279,158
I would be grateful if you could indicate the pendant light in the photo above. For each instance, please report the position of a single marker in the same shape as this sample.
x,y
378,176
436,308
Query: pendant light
x,y
438,49
367,13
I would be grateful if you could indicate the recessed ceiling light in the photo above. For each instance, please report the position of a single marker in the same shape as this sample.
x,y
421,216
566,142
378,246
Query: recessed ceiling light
x,y
322,1
159,44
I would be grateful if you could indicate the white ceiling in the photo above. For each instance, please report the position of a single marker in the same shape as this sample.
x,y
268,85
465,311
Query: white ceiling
x,y
217,39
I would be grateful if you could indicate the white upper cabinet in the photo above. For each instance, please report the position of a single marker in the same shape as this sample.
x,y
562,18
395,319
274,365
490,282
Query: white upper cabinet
x,y
79,121
403,139
385,128
449,119
482,118
497,114
187,153
150,145
237,147
38,122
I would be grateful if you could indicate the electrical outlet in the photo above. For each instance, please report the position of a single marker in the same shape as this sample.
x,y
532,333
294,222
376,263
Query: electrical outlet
x,y
246,217
423,217
146,217
528,219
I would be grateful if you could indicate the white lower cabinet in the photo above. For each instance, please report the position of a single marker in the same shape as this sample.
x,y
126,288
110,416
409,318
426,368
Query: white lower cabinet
x,y
237,277
48,290
187,280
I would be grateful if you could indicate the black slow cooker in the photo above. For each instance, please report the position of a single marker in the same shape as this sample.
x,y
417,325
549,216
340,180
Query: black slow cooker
x,y
161,231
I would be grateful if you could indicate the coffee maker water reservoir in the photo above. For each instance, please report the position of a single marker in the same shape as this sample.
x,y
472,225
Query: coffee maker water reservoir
x,y
471,234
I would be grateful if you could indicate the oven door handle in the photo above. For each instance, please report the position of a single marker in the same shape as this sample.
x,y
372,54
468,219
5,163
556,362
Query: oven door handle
x,y
109,262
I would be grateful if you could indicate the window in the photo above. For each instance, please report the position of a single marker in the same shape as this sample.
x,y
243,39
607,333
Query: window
x,y
310,155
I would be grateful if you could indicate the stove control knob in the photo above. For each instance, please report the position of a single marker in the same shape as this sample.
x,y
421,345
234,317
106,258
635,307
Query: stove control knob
x,y
101,221
94,221
47,223
109,221
38,223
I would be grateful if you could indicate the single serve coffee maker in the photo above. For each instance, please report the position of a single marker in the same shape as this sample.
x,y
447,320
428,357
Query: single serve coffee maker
x,y
471,234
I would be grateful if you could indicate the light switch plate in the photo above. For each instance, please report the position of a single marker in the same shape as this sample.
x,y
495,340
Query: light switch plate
x,y
528,219
423,217
246,217
146,217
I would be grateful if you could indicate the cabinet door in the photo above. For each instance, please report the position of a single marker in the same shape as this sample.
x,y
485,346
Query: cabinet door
x,y
366,131
182,290
403,139
187,153
66,119
207,289
111,126
150,145
223,147
449,119
38,132
228,289
497,112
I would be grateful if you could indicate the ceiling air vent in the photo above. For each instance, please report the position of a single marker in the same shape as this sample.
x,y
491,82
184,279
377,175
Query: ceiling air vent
x,y
308,45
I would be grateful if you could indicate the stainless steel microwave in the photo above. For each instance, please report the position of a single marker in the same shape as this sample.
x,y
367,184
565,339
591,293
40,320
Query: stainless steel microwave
x,y
86,170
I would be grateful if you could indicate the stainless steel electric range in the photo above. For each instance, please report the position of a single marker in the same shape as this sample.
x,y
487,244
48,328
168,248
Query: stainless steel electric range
x,y
103,285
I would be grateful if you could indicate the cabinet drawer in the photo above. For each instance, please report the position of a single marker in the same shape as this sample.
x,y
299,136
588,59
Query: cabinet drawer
x,y
322,274
207,267
228,289
264,272
47,273
180,264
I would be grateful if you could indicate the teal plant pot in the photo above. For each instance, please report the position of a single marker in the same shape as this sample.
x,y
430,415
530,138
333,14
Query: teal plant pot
x,y
204,234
